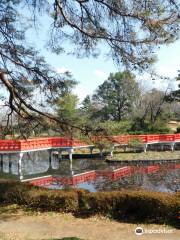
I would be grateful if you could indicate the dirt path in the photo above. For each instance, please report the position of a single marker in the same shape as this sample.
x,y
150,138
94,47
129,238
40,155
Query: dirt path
x,y
16,224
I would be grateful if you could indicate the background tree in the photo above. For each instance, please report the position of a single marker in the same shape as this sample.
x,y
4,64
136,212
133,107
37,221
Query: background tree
x,y
152,112
115,97
132,29
175,95
67,110
87,108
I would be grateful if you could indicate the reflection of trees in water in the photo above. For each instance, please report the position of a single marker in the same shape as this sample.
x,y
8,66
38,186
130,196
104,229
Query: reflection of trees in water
x,y
35,162
165,179
64,168
79,166
7,158
88,164
38,162
129,182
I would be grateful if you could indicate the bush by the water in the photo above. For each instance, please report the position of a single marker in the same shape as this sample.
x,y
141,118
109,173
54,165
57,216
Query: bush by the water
x,y
122,205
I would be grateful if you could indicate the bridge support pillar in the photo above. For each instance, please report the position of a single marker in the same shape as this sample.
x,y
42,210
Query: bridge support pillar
x,y
10,163
59,154
50,158
1,162
20,172
111,151
71,167
162,147
172,146
91,150
101,152
70,152
145,147
124,148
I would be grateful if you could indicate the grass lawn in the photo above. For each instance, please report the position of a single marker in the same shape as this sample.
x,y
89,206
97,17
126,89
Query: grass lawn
x,y
149,155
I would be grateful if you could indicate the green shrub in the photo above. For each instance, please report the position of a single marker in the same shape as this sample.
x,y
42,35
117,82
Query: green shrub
x,y
13,192
116,128
135,143
53,200
146,127
38,198
122,205
141,206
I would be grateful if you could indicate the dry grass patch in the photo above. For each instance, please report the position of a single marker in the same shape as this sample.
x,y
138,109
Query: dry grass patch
x,y
149,155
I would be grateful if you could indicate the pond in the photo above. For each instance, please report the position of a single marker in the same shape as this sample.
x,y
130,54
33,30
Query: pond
x,y
46,170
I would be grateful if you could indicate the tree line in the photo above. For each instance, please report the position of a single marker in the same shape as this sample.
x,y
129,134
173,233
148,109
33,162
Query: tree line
x,y
132,31
118,106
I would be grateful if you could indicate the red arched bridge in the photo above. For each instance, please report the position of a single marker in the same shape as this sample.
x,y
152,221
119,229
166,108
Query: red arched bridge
x,y
10,147
67,144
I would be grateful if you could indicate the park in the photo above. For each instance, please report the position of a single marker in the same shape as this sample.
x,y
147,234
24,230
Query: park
x,y
89,120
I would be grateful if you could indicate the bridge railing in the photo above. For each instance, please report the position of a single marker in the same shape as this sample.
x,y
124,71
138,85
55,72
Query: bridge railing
x,y
39,143
177,136
35,143
152,138
53,142
125,139
67,142
61,142
10,145
78,143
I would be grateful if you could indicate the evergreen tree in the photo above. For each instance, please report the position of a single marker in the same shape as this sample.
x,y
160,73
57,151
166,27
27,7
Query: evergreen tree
x,y
116,96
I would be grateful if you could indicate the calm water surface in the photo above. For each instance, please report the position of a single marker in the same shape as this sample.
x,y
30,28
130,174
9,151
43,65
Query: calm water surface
x,y
40,169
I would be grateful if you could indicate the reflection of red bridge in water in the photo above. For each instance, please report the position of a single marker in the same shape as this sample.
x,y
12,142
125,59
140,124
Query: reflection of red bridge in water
x,y
64,143
93,175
